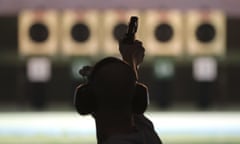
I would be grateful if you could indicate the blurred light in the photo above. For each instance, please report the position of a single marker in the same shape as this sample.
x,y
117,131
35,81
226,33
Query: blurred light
x,y
38,69
204,69
164,69
77,65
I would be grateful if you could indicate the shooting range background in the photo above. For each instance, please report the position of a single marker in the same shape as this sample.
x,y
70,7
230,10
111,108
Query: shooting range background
x,y
193,85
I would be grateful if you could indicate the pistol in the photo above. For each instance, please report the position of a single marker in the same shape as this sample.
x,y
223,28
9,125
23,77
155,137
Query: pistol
x,y
131,31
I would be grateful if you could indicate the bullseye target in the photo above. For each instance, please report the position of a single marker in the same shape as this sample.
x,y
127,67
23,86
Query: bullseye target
x,y
38,32
80,33
206,32
163,32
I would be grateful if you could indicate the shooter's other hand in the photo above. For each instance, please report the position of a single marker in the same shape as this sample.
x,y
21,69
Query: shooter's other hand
x,y
85,71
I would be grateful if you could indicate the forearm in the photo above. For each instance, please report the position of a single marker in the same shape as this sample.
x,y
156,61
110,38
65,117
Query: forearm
x,y
135,68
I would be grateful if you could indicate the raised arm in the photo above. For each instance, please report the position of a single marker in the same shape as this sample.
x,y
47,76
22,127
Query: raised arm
x,y
133,54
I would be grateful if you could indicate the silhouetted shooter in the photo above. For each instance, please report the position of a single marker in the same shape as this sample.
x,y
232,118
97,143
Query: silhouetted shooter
x,y
115,98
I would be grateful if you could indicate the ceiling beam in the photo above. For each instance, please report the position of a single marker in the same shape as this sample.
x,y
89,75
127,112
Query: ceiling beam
x,y
12,7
